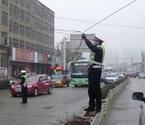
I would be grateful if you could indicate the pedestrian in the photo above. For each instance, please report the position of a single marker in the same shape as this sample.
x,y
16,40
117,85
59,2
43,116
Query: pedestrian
x,y
94,73
23,83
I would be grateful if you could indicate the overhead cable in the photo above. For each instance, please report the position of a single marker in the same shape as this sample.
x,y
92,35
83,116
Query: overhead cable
x,y
106,24
105,19
109,15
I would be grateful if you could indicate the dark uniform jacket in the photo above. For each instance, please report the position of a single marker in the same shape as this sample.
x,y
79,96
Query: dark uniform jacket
x,y
97,50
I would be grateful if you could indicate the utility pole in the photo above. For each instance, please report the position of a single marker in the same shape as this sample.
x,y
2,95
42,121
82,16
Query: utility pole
x,y
142,54
64,52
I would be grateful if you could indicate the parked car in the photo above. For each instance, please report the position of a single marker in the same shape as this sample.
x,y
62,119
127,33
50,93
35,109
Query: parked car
x,y
141,75
111,77
36,84
60,80
140,96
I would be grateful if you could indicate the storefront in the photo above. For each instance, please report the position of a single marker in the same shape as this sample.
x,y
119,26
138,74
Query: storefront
x,y
4,57
29,61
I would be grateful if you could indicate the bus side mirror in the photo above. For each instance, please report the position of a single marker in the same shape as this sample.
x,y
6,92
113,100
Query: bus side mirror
x,y
138,96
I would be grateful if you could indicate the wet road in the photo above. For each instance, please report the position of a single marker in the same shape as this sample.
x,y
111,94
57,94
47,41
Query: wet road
x,y
53,109
125,110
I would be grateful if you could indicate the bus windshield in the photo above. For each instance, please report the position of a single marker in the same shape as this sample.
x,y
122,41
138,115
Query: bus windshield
x,y
79,69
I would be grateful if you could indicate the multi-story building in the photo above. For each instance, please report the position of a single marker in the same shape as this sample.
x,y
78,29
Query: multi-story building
x,y
26,36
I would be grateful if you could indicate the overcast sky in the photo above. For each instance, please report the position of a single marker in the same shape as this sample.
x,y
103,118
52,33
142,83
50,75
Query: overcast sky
x,y
115,37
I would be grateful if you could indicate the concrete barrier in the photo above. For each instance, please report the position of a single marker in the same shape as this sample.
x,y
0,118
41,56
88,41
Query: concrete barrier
x,y
108,101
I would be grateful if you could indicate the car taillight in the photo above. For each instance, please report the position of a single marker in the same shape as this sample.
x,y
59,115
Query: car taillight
x,y
12,87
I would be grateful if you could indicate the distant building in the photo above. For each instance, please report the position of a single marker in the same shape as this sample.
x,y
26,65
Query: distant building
x,y
77,48
75,40
72,47
26,36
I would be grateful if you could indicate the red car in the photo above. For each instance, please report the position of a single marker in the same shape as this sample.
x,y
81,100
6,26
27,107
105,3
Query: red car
x,y
37,84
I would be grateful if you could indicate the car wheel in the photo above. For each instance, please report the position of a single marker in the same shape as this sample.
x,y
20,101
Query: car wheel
x,y
13,95
76,85
36,92
67,84
50,90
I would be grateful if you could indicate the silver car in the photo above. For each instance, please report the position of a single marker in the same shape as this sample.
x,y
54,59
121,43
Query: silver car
x,y
111,77
140,96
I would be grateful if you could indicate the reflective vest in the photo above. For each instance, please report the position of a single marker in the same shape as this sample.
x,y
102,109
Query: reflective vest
x,y
92,54
24,77
57,72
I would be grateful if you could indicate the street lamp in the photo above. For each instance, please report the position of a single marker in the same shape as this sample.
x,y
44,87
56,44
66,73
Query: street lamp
x,y
64,52
65,39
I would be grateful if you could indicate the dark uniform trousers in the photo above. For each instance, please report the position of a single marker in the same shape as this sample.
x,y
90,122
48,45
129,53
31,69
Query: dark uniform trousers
x,y
94,89
24,94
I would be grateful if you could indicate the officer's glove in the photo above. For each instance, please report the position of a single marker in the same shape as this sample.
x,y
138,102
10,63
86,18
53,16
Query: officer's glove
x,y
84,36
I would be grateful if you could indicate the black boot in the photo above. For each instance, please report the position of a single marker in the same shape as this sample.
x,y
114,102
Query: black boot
x,y
89,109
98,111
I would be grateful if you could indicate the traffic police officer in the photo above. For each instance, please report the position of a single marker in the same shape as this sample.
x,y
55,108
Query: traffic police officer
x,y
23,83
94,73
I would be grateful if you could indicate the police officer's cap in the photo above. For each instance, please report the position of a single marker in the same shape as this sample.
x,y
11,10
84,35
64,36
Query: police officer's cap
x,y
23,71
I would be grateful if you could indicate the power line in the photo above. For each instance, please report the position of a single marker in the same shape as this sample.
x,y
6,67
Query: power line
x,y
75,20
91,22
68,30
109,15
137,27
105,19
49,29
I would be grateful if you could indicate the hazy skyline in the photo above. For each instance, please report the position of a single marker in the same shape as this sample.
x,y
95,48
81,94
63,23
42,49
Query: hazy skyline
x,y
115,37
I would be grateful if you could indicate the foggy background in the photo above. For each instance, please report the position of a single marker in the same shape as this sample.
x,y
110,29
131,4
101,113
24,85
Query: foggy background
x,y
123,33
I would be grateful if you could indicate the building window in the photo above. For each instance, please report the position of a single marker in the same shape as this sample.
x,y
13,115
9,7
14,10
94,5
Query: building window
x,y
3,60
22,15
11,26
4,38
27,15
4,19
22,44
5,2
27,46
15,28
32,47
11,9
15,43
28,4
22,30
10,42
15,11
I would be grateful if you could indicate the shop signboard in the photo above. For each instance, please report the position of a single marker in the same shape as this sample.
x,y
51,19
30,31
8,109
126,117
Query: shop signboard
x,y
22,55
42,58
